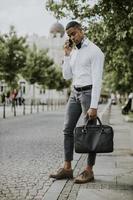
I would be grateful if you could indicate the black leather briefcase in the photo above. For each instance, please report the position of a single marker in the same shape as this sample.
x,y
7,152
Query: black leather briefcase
x,y
94,138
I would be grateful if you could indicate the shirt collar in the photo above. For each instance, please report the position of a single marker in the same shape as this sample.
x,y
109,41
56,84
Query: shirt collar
x,y
85,42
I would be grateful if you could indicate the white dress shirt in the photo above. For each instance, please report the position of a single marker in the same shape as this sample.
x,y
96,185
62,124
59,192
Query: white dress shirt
x,y
85,67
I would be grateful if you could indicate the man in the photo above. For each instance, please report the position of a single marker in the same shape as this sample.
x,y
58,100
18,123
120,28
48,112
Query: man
x,y
83,63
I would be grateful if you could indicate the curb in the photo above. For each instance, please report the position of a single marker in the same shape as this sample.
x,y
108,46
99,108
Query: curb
x,y
57,187
62,188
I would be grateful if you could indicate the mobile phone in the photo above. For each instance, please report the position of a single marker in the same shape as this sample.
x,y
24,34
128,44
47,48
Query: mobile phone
x,y
70,43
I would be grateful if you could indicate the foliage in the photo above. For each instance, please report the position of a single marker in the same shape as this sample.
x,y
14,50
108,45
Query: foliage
x,y
37,63
110,25
33,64
56,80
41,69
12,56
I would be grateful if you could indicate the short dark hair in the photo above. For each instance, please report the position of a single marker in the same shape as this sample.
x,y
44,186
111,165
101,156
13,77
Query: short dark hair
x,y
73,24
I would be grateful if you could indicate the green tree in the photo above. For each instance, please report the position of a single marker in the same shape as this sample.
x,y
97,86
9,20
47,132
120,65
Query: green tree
x,y
110,25
56,80
12,57
37,64
42,70
3,52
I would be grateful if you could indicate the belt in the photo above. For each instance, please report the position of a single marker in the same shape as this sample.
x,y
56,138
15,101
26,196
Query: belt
x,y
79,89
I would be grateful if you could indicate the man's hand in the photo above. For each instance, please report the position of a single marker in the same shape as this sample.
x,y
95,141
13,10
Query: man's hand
x,y
92,113
67,48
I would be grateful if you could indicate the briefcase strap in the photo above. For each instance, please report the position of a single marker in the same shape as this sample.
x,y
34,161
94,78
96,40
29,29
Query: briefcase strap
x,y
100,131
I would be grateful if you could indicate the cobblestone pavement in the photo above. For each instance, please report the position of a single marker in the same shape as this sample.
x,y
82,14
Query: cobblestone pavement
x,y
29,146
113,172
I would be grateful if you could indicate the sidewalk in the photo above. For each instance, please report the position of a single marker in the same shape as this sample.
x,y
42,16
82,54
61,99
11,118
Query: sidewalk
x,y
113,172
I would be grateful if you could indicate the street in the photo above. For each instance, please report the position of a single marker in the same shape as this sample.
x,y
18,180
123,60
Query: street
x,y
30,147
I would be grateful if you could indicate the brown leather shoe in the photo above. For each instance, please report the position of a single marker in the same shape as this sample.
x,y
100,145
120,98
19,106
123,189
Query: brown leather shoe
x,y
62,174
84,177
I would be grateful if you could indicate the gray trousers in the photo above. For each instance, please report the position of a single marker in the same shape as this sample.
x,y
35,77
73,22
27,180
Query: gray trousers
x,y
79,102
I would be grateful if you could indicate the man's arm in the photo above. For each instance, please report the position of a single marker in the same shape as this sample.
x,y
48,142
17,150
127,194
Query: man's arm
x,y
96,70
66,68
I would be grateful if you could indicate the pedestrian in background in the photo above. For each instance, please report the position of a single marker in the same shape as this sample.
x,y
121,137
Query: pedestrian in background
x,y
83,63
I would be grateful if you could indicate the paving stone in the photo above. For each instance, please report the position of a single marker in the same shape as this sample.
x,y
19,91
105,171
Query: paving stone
x,y
126,179
28,146
103,194
54,190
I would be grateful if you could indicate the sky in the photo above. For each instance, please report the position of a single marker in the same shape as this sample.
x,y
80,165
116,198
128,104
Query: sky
x,y
28,17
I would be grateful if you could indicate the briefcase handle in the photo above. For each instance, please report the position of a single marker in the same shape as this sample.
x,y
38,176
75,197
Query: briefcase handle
x,y
98,119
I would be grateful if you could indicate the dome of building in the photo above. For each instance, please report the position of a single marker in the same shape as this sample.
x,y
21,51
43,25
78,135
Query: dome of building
x,y
57,28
